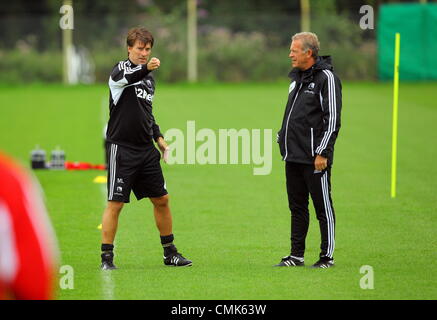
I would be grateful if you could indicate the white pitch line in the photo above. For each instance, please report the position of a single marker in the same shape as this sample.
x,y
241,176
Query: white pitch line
x,y
108,283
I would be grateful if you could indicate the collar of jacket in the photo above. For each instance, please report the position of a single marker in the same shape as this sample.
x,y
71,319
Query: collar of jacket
x,y
131,64
322,63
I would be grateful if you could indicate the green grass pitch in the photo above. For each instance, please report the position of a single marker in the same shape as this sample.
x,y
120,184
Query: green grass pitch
x,y
232,224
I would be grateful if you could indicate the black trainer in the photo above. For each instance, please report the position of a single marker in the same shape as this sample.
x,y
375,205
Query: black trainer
x,y
290,261
324,263
177,260
107,261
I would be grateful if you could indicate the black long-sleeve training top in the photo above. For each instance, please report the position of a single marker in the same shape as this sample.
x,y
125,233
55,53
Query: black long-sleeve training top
x,y
131,90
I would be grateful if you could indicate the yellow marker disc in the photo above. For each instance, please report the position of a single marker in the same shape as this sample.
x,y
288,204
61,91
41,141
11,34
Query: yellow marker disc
x,y
100,179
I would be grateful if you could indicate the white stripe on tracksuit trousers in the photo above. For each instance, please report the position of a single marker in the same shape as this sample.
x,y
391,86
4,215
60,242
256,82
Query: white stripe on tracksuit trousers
x,y
329,215
302,182
112,170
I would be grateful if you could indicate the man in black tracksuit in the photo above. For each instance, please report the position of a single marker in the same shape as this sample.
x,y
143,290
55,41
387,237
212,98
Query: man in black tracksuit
x,y
309,130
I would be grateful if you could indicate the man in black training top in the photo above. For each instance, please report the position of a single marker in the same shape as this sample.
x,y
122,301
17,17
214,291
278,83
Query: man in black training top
x,y
133,160
309,129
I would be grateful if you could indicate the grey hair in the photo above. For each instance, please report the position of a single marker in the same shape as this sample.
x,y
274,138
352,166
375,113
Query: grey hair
x,y
309,41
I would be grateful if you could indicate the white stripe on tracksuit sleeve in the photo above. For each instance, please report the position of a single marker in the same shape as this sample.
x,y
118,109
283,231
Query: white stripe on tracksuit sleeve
x,y
331,105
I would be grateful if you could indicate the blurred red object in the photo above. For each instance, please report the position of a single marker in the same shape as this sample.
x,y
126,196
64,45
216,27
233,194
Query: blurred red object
x,y
100,167
70,165
28,249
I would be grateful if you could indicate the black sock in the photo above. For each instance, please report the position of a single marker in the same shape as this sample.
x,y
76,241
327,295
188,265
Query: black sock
x,y
107,247
107,251
167,244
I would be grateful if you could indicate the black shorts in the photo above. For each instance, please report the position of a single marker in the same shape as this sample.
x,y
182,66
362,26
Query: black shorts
x,y
136,170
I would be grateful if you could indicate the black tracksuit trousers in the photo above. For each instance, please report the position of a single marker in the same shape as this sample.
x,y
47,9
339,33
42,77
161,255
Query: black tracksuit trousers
x,y
303,180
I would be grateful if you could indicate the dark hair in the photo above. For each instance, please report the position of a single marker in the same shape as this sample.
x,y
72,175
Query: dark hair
x,y
140,34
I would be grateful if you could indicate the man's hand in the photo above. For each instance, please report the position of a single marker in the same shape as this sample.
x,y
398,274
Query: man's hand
x,y
153,64
320,163
165,149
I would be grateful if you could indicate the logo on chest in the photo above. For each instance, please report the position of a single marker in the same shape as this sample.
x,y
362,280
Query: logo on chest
x,y
310,89
142,93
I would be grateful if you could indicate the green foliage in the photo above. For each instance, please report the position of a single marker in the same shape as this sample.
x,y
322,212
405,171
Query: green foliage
x,y
244,41
353,56
240,57
24,66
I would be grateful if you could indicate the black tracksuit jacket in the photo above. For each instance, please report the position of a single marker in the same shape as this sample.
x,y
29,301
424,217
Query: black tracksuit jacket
x,y
312,115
